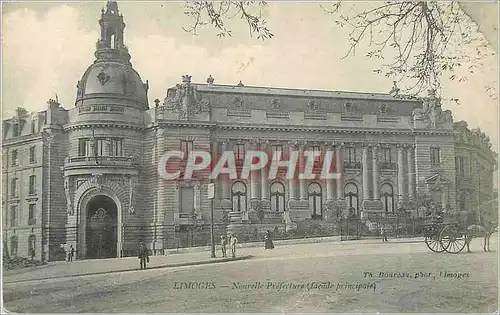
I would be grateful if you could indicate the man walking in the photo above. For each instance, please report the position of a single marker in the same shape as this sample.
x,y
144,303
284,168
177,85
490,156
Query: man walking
x,y
383,234
143,255
223,244
232,242
71,253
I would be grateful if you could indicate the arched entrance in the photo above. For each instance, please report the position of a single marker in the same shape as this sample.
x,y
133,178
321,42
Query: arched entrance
x,y
101,228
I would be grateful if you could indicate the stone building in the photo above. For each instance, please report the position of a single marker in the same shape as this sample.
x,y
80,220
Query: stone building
x,y
88,176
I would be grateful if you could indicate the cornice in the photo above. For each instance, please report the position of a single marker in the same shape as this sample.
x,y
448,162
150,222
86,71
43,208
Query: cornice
x,y
22,139
102,124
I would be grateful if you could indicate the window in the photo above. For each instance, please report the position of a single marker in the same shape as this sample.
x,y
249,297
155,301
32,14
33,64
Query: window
x,y
277,150
187,200
32,185
100,146
351,197
31,213
435,157
116,147
314,149
14,158
13,245
277,197
33,126
239,152
387,194
351,154
83,145
239,196
13,215
31,245
15,130
186,148
14,191
387,155
32,154
315,200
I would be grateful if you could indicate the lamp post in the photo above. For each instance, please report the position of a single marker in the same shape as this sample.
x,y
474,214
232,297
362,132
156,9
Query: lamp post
x,y
211,195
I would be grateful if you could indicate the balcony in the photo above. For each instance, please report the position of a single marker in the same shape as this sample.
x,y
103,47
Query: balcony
x,y
184,218
353,165
112,162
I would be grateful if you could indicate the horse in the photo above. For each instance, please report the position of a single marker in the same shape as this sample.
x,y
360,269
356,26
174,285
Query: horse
x,y
478,230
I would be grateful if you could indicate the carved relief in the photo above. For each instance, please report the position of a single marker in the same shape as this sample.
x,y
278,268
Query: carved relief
x,y
100,215
186,102
132,194
97,180
275,103
384,109
103,77
79,89
432,113
67,191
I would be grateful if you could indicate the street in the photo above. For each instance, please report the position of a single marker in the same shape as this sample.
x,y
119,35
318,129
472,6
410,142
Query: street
x,y
326,277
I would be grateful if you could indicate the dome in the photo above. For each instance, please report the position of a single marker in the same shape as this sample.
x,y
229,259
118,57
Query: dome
x,y
112,79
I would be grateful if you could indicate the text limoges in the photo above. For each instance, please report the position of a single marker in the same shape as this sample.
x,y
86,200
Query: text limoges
x,y
194,285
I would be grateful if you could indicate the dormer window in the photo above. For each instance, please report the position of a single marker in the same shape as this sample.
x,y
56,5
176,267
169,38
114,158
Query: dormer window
x,y
15,129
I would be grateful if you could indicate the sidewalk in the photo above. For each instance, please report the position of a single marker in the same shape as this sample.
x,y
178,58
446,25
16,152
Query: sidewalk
x,y
173,258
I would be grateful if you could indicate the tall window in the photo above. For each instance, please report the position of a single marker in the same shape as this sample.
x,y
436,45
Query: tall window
x,y
314,149
315,200
351,154
387,194
239,196
461,166
187,200
13,245
14,158
435,156
14,189
115,147
277,150
32,185
277,197
83,145
15,130
33,126
32,154
13,215
186,148
387,155
351,197
31,245
239,152
31,213
100,146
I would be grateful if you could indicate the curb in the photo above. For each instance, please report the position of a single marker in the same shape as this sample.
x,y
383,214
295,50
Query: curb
x,y
193,263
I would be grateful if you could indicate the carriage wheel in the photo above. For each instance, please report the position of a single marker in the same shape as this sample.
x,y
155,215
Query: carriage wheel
x,y
433,244
452,240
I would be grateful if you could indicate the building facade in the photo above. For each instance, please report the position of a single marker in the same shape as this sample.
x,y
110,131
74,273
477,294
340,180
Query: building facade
x,y
88,176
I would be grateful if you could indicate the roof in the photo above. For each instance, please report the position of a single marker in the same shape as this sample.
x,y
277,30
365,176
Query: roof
x,y
220,88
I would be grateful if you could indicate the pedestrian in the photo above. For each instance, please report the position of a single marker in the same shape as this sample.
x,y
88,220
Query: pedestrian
x,y
268,241
223,244
71,253
143,255
383,234
232,242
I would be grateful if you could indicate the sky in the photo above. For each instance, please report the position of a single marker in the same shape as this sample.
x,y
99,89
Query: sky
x,y
47,46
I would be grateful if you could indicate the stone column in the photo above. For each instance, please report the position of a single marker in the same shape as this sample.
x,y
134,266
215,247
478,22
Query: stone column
x,y
329,182
254,178
224,179
264,173
366,176
411,173
158,215
339,169
400,173
302,182
376,173
292,182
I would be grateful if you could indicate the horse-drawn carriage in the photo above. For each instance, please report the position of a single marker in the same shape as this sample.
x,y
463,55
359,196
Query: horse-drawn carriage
x,y
452,233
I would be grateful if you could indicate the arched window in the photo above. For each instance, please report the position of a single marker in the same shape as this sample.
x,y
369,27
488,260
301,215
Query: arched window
x,y
277,197
239,196
13,245
351,196
387,194
315,200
